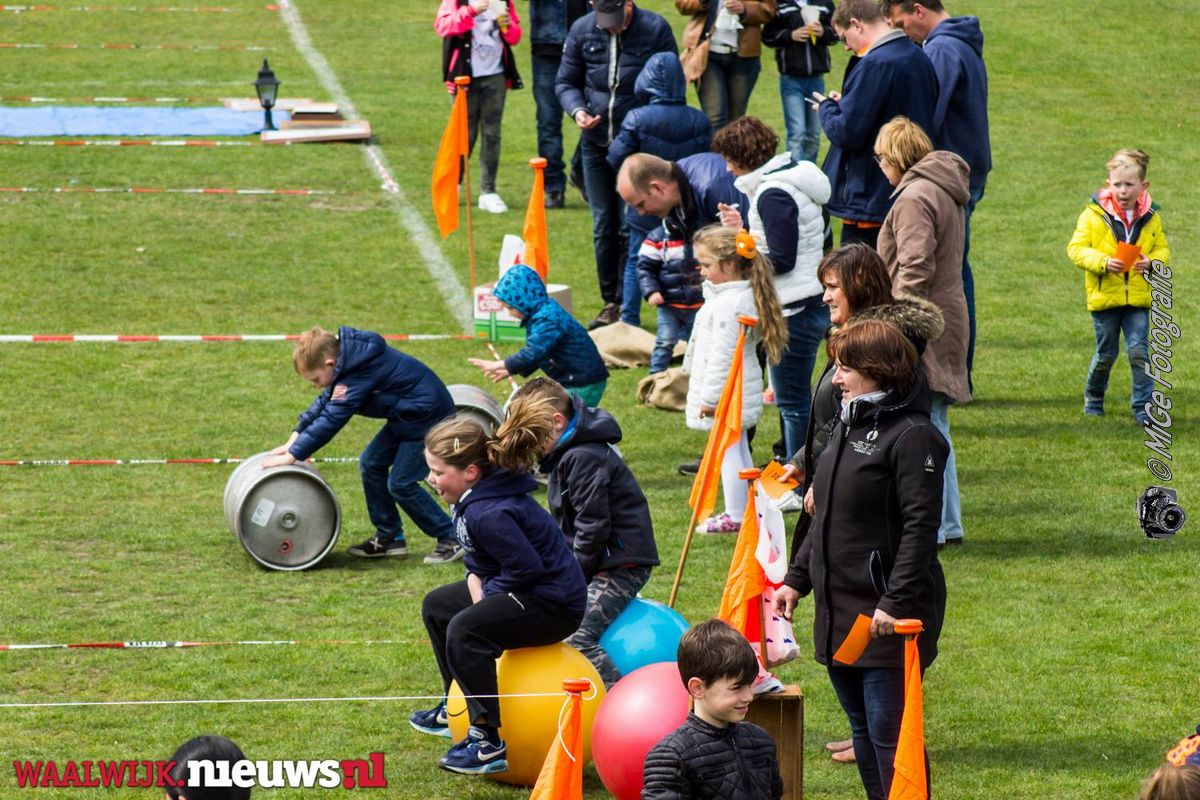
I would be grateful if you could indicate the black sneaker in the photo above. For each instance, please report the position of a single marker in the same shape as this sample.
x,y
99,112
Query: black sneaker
x,y
377,548
690,468
576,180
608,315
555,199
447,551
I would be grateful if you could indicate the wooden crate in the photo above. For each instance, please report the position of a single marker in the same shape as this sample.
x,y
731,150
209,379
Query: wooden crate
x,y
782,715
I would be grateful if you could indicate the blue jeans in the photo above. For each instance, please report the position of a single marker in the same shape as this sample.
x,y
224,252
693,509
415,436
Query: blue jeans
x,y
969,279
631,293
792,376
549,121
608,218
724,88
674,324
1109,324
800,118
951,527
873,699
392,469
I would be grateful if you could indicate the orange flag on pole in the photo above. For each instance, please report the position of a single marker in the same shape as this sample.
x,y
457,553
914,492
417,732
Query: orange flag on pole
x,y
561,777
537,243
745,583
726,430
448,163
910,781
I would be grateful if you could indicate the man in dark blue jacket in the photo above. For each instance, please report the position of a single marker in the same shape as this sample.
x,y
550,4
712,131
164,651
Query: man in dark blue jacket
x,y
604,52
549,21
686,196
892,78
960,121
358,373
664,126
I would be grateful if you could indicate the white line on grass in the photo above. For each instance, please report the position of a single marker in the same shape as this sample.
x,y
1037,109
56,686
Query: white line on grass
x,y
430,253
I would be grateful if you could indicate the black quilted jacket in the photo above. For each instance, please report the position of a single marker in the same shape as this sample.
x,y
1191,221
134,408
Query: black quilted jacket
x,y
702,762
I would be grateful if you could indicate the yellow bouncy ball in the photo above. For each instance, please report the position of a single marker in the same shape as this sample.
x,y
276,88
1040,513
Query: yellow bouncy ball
x,y
529,725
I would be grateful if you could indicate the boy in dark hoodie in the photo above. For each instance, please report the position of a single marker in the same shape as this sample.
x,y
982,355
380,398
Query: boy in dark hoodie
x,y
522,587
598,504
664,125
358,373
554,341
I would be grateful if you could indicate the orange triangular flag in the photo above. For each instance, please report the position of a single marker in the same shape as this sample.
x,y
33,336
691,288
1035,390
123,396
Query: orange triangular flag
x,y
537,244
909,781
744,584
447,165
726,430
561,777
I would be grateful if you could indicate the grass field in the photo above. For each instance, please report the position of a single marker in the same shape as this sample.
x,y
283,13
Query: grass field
x,y
1068,657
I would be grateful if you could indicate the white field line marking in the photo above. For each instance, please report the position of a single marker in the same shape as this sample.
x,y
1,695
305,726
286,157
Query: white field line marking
x,y
428,250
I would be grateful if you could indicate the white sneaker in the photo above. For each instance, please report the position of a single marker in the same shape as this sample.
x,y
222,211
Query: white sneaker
x,y
491,203
788,503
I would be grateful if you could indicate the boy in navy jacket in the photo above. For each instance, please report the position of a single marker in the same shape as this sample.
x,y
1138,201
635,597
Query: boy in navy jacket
x,y
358,373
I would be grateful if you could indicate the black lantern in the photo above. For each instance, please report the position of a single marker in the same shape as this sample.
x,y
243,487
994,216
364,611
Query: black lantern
x,y
267,86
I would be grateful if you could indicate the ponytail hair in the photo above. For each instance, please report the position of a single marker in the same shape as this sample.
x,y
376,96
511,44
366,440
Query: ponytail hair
x,y
516,446
728,245
1172,783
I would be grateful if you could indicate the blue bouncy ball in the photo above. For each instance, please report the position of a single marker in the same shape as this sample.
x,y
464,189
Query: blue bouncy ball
x,y
646,632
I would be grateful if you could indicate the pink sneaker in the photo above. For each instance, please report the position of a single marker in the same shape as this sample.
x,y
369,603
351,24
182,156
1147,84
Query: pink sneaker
x,y
720,523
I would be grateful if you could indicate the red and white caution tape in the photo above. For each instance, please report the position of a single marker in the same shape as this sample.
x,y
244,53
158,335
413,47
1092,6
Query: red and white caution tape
x,y
139,9
158,645
117,338
262,700
128,143
137,462
23,98
244,48
163,190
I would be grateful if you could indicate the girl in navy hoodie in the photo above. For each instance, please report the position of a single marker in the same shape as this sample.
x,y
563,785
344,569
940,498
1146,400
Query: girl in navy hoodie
x,y
523,587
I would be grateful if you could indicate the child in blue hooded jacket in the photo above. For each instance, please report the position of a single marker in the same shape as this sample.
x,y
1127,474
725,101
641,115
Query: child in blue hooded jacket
x,y
523,587
554,340
358,373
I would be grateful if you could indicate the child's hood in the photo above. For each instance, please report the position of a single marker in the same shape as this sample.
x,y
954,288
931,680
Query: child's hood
x,y
591,425
356,348
499,483
1105,199
522,288
965,29
661,81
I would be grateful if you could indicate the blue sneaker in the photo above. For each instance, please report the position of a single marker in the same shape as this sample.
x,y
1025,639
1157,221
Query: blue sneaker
x,y
433,722
475,755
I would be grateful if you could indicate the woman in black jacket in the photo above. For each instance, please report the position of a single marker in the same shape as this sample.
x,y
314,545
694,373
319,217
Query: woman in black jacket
x,y
872,546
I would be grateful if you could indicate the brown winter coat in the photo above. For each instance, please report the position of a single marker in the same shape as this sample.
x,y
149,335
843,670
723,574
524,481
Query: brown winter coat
x,y
921,243
758,13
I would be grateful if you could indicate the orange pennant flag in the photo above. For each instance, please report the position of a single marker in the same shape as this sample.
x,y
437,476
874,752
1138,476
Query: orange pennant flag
x,y
910,782
537,243
744,584
561,777
726,430
448,163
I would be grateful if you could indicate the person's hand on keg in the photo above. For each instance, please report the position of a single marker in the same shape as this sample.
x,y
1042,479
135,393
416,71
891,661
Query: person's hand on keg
x,y
280,457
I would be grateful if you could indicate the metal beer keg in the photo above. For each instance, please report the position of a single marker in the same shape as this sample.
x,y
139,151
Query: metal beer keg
x,y
287,518
475,404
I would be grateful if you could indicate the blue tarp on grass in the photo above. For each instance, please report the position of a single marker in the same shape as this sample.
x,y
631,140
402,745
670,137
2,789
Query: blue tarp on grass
x,y
138,121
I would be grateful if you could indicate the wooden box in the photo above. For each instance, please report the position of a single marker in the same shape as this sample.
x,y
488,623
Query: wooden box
x,y
781,714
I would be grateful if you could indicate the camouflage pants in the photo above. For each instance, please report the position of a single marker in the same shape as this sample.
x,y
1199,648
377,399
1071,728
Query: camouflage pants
x,y
608,594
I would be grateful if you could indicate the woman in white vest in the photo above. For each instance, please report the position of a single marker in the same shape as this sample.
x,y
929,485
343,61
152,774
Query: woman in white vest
x,y
785,218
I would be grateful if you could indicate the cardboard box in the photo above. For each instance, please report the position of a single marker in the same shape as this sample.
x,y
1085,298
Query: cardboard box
x,y
495,324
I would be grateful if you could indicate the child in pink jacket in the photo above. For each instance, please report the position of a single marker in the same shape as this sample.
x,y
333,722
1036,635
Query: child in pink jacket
x,y
478,36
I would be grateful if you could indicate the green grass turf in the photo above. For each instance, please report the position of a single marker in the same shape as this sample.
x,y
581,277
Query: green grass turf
x,y
1068,654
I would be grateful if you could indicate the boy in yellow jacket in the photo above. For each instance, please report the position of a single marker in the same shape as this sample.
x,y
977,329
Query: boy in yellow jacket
x,y
1118,292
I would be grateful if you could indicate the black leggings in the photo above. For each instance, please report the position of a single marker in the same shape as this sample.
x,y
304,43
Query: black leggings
x,y
468,637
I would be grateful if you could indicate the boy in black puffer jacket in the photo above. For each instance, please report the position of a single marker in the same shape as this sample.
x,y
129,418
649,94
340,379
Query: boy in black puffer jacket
x,y
714,754
598,504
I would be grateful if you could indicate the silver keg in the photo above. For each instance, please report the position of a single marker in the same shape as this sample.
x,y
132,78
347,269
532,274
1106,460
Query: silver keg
x,y
475,404
287,518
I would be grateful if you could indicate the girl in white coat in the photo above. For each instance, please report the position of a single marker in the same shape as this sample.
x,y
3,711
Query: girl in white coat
x,y
737,282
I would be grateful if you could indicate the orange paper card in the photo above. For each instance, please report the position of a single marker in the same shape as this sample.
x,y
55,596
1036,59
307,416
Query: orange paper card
x,y
1128,254
856,641
771,483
